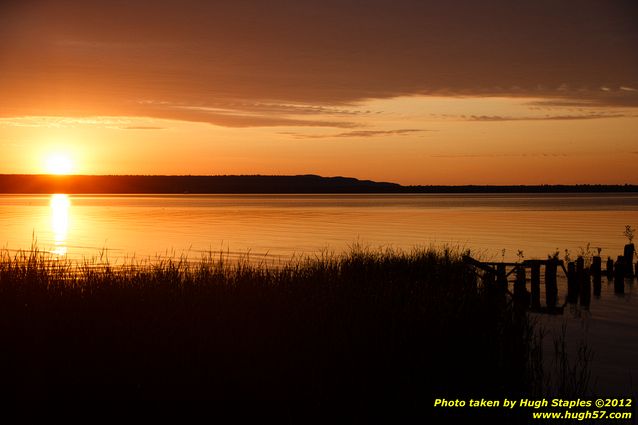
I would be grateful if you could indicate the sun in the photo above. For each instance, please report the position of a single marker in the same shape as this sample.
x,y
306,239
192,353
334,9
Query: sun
x,y
59,164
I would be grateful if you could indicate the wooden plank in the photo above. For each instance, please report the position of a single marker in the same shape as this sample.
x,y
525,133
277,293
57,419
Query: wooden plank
x,y
572,283
610,268
619,275
596,272
628,259
536,285
551,288
478,264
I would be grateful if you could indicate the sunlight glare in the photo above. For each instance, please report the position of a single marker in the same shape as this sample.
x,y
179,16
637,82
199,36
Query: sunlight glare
x,y
60,204
59,164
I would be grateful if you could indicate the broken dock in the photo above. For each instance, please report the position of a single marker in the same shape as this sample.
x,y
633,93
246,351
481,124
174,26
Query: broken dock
x,y
582,276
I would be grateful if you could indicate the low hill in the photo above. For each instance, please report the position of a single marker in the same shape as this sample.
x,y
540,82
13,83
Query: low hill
x,y
190,184
309,183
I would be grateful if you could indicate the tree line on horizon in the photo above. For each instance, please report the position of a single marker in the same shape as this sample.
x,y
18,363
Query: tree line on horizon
x,y
40,184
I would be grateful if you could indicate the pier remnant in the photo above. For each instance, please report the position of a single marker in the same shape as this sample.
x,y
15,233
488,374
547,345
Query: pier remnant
x,y
521,296
536,285
496,279
572,283
610,268
628,259
501,277
596,273
551,288
619,275
585,288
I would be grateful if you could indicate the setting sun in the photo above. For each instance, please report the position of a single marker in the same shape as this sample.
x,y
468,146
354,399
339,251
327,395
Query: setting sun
x,y
59,164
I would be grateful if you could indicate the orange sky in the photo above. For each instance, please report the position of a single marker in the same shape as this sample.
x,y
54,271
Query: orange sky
x,y
415,92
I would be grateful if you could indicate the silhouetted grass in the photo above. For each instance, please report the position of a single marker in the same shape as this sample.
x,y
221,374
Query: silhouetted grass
x,y
355,336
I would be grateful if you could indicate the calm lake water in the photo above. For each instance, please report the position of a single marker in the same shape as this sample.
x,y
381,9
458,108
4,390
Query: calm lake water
x,y
278,227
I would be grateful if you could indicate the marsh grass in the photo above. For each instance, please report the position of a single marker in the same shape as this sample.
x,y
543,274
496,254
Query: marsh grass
x,y
566,373
357,335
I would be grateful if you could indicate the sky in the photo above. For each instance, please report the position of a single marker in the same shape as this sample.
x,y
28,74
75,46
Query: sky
x,y
413,92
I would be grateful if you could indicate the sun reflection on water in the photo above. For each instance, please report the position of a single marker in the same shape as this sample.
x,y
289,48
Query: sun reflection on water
x,y
60,204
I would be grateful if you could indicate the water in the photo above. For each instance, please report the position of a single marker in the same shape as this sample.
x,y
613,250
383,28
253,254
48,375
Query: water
x,y
610,328
278,227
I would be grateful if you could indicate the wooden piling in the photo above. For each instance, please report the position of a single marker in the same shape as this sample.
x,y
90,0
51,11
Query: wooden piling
x,y
492,288
489,279
551,289
596,264
610,268
585,288
572,283
536,286
582,279
619,276
580,268
521,296
628,260
501,277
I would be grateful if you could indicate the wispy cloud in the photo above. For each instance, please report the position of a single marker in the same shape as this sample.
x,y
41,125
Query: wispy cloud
x,y
243,114
290,109
357,133
374,133
121,123
503,155
65,122
496,118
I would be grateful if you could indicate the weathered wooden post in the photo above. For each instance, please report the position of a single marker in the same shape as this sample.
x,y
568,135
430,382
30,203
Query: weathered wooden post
x,y
628,260
489,283
572,283
536,285
619,276
580,267
583,285
501,277
596,264
521,296
585,288
551,289
610,268
489,278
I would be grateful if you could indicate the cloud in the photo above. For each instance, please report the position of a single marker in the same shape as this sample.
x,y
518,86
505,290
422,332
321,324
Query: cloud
x,y
496,118
289,109
238,118
617,97
43,121
235,114
504,155
280,61
373,133
358,133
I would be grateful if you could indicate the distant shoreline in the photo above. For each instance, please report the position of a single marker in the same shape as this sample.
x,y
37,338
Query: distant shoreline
x,y
259,184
